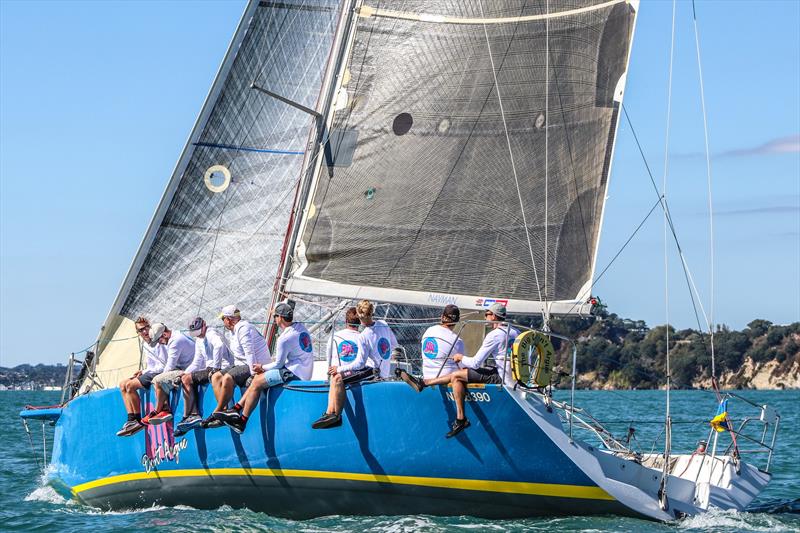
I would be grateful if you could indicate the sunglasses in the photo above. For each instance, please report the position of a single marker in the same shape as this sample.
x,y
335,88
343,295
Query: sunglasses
x,y
142,329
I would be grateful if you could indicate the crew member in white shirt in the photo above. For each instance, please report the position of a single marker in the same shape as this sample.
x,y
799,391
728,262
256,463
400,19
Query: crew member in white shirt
x,y
386,344
155,356
211,354
372,342
439,345
250,355
180,353
476,368
294,359
344,346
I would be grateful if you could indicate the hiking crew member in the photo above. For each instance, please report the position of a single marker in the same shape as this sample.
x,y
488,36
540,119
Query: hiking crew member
x,y
155,356
180,353
343,347
476,368
439,345
386,343
294,359
250,354
357,370
210,355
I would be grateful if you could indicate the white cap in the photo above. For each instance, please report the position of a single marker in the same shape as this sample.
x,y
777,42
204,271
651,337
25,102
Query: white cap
x,y
229,311
156,330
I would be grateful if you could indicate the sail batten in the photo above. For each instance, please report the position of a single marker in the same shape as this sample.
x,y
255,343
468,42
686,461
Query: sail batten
x,y
418,191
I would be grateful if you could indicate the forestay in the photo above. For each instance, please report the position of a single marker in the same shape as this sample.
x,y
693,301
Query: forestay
x,y
459,126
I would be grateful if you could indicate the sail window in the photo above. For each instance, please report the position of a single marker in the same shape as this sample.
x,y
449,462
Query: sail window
x,y
217,178
402,124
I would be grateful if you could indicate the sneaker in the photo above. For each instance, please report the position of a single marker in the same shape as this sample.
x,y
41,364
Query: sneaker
x,y
327,420
146,419
187,424
458,426
211,422
232,420
130,427
160,418
415,383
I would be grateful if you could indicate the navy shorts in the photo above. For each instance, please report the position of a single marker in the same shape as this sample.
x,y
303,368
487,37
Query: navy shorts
x,y
146,379
483,375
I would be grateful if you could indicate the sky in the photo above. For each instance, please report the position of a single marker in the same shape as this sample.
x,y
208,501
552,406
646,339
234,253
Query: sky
x,y
98,98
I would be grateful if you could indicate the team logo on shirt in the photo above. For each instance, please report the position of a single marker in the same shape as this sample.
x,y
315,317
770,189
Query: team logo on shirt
x,y
384,347
430,348
348,351
305,342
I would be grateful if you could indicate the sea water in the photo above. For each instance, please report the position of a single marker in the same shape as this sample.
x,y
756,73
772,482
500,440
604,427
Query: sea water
x,y
26,504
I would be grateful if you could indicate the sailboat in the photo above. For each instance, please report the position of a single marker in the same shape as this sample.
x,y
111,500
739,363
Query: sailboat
x,y
416,154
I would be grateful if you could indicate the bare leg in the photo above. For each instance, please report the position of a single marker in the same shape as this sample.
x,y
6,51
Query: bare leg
x,y
251,396
188,395
225,392
216,385
131,397
459,395
447,378
337,395
162,399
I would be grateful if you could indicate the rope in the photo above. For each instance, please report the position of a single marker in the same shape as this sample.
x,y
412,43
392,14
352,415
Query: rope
x,y
513,165
708,176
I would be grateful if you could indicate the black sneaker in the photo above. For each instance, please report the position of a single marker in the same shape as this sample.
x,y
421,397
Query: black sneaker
x,y
415,383
327,420
232,420
211,422
130,427
458,426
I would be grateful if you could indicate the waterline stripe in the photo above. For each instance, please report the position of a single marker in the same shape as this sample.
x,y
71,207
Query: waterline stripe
x,y
510,487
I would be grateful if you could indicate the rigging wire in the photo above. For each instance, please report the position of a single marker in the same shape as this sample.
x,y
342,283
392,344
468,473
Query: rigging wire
x,y
513,165
708,179
662,491
546,317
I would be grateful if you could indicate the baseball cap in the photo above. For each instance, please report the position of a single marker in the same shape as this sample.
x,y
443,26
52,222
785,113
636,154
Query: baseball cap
x,y
229,311
451,314
196,325
498,309
156,330
284,310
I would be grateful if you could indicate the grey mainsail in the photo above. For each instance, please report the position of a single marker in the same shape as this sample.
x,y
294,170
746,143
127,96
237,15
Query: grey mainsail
x,y
218,233
469,154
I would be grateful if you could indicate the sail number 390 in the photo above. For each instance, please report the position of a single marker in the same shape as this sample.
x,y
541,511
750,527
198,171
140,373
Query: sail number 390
x,y
472,397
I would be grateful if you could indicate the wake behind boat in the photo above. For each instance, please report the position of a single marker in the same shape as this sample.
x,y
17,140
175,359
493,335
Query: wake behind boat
x,y
447,155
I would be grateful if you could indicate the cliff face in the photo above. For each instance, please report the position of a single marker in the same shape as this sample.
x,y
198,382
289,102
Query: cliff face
x,y
768,375
615,353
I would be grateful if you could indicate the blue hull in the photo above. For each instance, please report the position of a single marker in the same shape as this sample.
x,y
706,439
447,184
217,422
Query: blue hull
x,y
390,456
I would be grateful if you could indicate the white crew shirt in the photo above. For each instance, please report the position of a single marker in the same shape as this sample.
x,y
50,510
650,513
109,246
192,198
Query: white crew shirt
x,y
251,347
495,345
386,343
343,348
439,345
375,345
210,351
294,351
155,357
180,351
